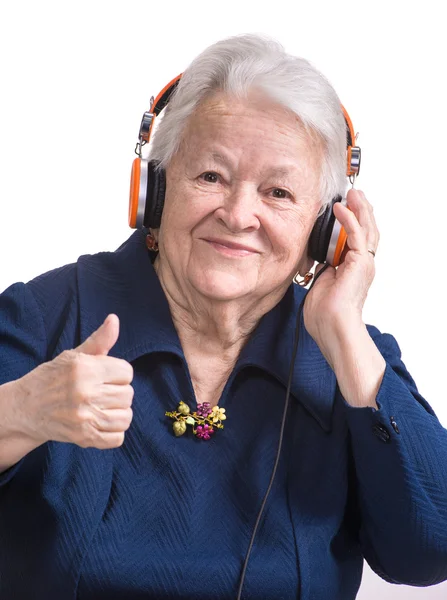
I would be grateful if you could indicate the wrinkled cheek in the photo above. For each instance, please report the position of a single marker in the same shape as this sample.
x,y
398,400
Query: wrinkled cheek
x,y
288,249
175,224
289,259
172,243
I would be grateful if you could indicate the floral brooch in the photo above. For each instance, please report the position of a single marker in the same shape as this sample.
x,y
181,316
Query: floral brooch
x,y
203,421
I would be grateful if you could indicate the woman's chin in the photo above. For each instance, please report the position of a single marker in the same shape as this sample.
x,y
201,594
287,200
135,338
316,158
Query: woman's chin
x,y
222,286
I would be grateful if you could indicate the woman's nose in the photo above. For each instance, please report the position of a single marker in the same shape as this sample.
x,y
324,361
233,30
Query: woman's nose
x,y
240,209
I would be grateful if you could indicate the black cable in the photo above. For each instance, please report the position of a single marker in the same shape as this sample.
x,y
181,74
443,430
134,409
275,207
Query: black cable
x,y
281,434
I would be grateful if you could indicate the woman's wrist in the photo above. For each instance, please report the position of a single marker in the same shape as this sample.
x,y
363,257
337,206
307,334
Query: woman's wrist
x,y
357,363
14,443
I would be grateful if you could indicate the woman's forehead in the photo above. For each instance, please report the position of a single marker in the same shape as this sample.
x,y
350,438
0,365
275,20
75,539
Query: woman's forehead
x,y
225,120
250,150
256,105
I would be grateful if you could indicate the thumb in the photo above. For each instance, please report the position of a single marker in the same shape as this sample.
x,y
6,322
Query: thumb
x,y
103,339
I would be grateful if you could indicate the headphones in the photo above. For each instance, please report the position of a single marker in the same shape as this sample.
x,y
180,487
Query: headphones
x,y
148,186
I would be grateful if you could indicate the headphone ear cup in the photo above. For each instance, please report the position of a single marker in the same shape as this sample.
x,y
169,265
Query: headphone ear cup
x,y
137,194
156,191
327,239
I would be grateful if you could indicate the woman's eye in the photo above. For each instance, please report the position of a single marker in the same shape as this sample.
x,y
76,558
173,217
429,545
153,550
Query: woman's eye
x,y
210,177
280,193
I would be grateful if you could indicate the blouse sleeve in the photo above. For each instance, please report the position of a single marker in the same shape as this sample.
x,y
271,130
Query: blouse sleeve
x,y
23,341
400,458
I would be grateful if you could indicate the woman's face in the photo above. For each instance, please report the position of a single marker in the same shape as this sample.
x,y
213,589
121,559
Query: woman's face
x,y
242,195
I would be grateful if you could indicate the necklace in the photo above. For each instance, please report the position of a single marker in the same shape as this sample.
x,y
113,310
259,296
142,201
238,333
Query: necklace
x,y
203,421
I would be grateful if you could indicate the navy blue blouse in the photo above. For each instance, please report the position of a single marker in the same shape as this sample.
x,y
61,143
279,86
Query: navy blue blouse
x,y
165,517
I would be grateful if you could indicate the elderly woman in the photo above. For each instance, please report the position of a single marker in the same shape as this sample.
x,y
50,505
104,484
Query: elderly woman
x,y
149,396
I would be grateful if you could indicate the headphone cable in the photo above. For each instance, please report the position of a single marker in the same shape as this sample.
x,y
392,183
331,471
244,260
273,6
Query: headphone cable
x,y
281,434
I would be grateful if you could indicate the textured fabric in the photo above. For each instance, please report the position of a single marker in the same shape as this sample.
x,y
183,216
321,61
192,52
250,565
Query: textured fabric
x,y
165,517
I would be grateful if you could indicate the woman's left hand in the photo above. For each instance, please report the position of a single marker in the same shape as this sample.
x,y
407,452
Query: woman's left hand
x,y
336,300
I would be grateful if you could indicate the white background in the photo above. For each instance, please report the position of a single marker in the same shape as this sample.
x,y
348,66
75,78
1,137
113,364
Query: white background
x,y
76,78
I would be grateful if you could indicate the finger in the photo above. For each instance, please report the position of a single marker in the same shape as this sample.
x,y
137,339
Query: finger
x,y
344,252
373,236
102,339
108,369
106,440
364,213
356,236
114,396
114,420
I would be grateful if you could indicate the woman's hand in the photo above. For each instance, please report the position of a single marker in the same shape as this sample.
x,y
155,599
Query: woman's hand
x,y
335,302
82,396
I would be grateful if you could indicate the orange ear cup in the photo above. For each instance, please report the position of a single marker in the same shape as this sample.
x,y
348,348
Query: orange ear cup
x,y
134,192
341,242
341,248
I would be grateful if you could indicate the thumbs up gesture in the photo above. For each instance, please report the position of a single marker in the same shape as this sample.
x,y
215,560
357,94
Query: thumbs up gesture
x,y
82,396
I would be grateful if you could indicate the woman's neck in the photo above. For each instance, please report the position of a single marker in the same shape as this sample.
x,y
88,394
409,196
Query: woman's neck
x,y
212,333
209,327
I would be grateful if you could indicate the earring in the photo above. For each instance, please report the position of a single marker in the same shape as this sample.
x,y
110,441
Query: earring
x,y
151,243
307,278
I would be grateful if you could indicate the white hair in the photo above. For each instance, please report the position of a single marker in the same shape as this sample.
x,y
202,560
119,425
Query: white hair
x,y
236,65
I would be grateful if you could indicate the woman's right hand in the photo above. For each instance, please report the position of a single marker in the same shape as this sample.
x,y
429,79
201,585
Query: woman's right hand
x,y
82,396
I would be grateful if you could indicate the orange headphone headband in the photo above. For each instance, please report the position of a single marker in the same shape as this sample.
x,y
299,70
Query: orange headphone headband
x,y
160,102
